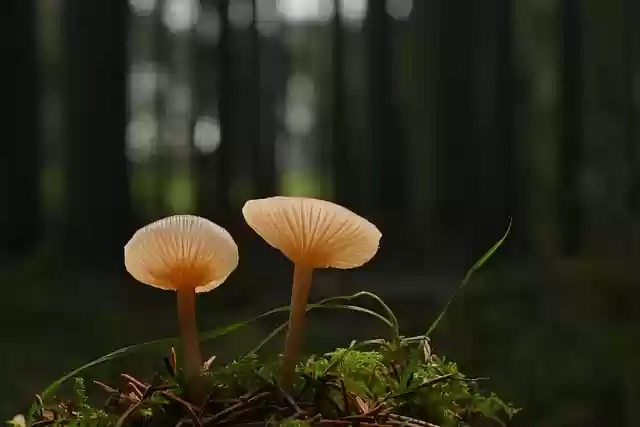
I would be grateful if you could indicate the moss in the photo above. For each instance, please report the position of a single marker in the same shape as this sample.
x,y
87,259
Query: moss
x,y
370,383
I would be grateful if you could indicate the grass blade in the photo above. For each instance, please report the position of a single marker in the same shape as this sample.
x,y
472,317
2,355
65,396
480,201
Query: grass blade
x,y
310,307
281,327
468,276
392,320
395,325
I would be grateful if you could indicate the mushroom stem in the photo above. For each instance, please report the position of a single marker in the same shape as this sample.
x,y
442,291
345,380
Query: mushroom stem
x,y
299,294
190,342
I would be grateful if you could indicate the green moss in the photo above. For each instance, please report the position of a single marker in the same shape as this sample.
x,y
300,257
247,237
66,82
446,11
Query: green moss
x,y
381,382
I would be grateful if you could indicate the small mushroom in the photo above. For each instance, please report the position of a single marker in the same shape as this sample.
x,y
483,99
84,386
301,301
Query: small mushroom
x,y
189,255
313,234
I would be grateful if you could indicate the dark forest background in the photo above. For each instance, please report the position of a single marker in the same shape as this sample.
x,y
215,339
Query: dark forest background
x,y
436,119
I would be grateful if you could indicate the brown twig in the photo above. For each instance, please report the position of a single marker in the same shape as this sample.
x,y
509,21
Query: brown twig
x,y
116,393
191,408
106,387
408,421
127,413
207,364
315,418
136,391
375,410
359,418
134,380
174,359
290,400
139,388
238,406
169,366
348,423
233,417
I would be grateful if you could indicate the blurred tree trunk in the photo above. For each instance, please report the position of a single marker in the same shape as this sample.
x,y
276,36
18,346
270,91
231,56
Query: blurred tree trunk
x,y
420,93
388,146
491,176
341,154
206,90
452,126
570,147
98,210
20,211
161,165
263,135
632,53
606,223
538,65
214,170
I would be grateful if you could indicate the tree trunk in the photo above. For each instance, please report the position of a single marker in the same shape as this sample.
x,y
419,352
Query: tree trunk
x,y
215,169
538,67
420,94
20,216
632,53
98,209
491,180
388,146
453,127
341,154
162,169
262,135
572,122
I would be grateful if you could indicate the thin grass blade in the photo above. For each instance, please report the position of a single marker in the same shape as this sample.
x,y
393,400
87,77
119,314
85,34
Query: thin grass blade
x,y
310,307
467,278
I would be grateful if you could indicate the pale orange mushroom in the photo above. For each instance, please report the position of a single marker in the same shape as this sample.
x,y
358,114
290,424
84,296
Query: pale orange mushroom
x,y
313,234
189,255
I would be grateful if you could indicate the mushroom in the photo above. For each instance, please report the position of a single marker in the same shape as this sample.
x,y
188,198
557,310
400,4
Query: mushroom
x,y
312,233
189,255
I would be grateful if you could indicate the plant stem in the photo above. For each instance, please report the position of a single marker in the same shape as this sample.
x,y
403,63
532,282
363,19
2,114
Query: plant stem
x,y
299,295
190,342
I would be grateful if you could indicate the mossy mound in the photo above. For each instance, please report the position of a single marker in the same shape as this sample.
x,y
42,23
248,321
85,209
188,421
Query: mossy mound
x,y
374,383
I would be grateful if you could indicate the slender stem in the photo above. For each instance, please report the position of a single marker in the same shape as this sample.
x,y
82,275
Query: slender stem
x,y
190,342
299,295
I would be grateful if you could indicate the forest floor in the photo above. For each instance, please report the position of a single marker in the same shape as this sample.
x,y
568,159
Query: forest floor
x,y
55,325
538,336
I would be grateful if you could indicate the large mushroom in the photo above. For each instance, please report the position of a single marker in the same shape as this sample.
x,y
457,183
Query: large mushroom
x,y
189,255
313,234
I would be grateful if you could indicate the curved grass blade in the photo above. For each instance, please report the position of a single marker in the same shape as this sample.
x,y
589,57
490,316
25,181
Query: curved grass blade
x,y
267,339
310,307
467,277
392,319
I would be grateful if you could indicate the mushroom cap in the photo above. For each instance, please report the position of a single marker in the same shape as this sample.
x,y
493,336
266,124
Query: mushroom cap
x,y
181,251
313,232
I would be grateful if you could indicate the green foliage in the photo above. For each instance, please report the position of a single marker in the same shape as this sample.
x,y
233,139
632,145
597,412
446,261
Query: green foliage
x,y
387,381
